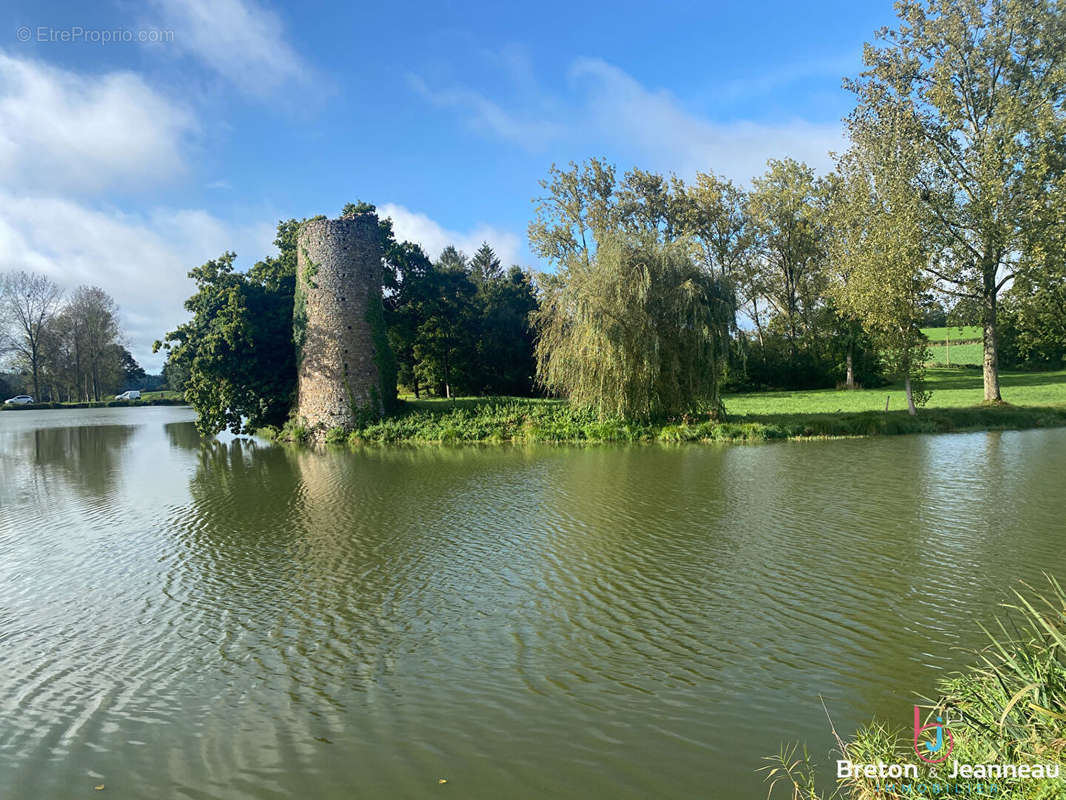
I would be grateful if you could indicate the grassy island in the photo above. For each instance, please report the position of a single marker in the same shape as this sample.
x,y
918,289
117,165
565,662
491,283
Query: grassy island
x,y
1034,400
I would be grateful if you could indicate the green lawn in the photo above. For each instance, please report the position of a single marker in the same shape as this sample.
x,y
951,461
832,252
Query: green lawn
x,y
166,394
959,345
471,402
952,388
970,353
964,333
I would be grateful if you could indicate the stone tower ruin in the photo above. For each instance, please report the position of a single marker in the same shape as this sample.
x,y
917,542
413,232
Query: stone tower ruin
x,y
338,325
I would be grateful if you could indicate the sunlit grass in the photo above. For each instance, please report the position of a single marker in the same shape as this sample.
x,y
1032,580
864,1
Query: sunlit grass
x,y
962,333
164,394
952,388
955,345
957,354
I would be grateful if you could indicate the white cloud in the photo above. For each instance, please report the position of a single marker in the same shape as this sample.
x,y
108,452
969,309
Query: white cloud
x,y
240,40
608,108
140,260
68,132
66,141
417,227
832,67
529,132
620,109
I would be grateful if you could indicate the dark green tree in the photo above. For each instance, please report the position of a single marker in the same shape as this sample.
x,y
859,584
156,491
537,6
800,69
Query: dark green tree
x,y
1034,320
485,265
452,260
506,364
237,351
405,306
132,371
445,344
175,374
458,325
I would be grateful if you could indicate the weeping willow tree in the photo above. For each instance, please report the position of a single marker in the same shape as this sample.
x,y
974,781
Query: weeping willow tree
x,y
636,330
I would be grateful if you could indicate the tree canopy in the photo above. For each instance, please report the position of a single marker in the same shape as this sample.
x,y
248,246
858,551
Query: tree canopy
x,y
635,332
70,346
879,249
983,86
237,353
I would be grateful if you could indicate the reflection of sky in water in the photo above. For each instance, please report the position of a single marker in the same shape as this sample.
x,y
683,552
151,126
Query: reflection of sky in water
x,y
238,619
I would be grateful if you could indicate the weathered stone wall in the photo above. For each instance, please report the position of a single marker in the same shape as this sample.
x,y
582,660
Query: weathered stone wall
x,y
338,281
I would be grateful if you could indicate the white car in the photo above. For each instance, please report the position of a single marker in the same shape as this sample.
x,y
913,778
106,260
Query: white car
x,y
132,394
19,400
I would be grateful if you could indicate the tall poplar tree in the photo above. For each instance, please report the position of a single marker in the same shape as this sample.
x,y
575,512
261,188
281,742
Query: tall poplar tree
x,y
983,83
879,249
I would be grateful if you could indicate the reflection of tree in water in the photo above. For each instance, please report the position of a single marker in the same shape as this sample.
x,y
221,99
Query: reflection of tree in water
x,y
243,496
183,435
326,562
267,563
84,459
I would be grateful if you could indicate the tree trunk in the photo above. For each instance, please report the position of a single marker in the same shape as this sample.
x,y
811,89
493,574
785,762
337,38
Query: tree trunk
x,y
447,378
35,367
910,395
851,365
77,362
791,336
991,354
755,318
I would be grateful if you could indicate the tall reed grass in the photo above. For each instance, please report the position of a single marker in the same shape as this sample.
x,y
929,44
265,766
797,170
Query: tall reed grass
x,y
1008,707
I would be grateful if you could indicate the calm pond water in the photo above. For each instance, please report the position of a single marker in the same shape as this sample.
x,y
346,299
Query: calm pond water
x,y
232,619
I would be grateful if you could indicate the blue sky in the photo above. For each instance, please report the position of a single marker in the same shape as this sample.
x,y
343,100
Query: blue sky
x,y
126,163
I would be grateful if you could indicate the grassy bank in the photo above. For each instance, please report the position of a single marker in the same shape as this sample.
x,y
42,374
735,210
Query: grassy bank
x,y
147,399
1009,707
1036,400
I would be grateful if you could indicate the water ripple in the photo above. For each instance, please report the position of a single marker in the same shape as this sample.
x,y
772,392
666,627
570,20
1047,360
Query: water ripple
x,y
231,619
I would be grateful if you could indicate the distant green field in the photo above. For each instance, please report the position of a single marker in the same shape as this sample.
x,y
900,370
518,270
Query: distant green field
x,y
945,345
952,388
960,334
972,353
